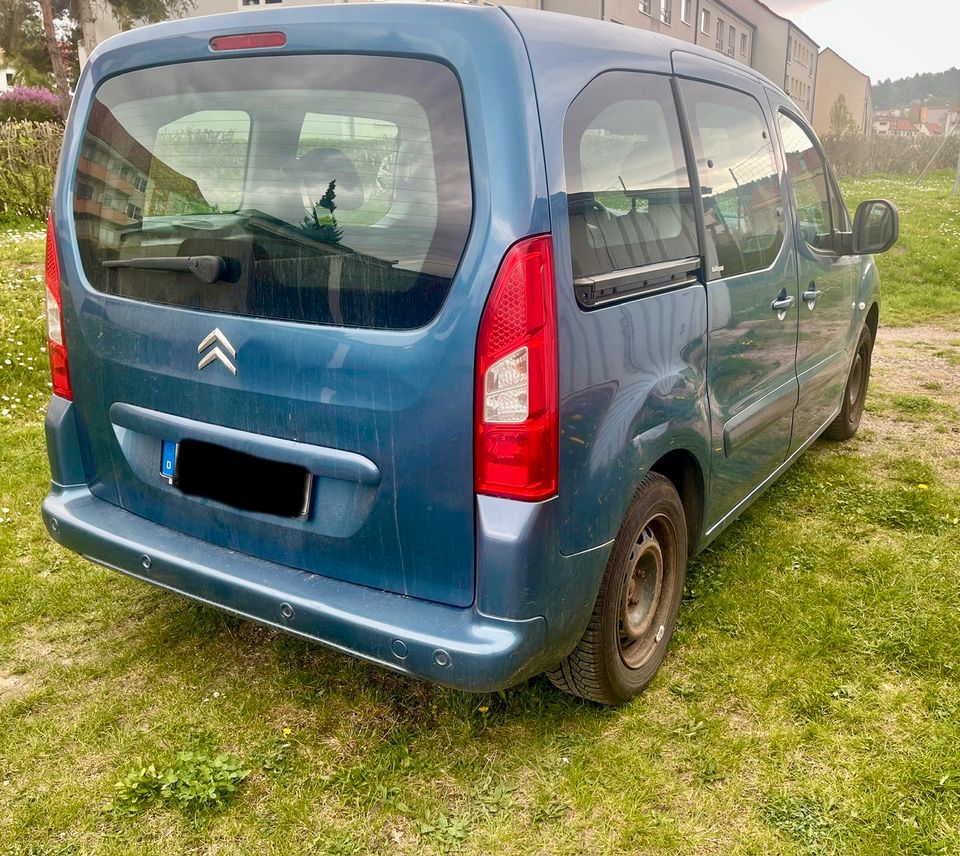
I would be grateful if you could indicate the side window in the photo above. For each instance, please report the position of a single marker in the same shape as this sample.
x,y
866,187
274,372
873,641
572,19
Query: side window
x,y
807,174
198,164
628,192
361,152
742,204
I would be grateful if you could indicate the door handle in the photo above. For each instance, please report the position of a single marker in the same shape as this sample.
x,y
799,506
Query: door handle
x,y
783,303
811,294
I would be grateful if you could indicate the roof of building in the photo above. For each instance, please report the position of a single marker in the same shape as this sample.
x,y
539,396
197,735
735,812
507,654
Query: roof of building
x,y
897,123
848,64
804,33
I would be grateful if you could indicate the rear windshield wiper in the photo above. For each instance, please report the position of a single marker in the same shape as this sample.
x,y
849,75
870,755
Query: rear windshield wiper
x,y
207,269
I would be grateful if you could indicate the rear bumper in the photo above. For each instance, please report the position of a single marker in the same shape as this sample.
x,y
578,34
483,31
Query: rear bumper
x,y
531,602
461,648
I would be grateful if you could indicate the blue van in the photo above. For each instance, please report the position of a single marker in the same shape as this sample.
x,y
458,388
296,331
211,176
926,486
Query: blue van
x,y
441,335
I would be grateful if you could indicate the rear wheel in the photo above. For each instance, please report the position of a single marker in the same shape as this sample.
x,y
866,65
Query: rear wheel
x,y
855,393
636,609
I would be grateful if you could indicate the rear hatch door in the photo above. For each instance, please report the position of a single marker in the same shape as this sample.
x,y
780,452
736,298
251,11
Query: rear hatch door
x,y
273,295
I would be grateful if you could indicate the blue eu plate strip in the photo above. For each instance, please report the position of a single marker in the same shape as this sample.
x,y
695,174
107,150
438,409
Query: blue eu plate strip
x,y
168,459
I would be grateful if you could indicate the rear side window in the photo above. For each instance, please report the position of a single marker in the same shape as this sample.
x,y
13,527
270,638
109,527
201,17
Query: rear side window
x,y
628,192
327,189
740,185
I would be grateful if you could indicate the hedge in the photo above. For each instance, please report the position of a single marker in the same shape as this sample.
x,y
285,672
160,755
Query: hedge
x,y
854,156
28,162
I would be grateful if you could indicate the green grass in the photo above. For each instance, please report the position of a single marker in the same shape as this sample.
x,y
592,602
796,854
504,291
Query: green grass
x,y
810,703
919,275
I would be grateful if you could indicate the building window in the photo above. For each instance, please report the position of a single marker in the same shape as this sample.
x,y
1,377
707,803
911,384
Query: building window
x,y
705,22
743,44
685,11
720,32
645,6
666,11
731,40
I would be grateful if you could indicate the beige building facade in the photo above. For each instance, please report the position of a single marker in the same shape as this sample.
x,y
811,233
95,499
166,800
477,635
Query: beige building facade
x,y
837,79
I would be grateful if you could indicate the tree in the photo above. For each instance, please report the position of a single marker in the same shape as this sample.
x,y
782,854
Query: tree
x,y
56,59
25,31
23,40
128,13
842,123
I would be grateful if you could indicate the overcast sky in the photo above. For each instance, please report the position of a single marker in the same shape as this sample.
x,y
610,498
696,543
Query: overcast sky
x,y
882,38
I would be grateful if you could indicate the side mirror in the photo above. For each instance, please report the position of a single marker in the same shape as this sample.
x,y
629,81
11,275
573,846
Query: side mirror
x,y
876,227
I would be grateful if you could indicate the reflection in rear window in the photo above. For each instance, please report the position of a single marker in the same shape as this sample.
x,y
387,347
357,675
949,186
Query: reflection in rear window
x,y
325,189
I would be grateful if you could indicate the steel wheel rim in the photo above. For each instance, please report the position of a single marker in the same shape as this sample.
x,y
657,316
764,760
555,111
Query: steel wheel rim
x,y
641,619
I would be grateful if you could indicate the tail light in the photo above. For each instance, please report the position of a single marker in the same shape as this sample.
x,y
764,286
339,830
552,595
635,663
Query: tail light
x,y
516,438
56,344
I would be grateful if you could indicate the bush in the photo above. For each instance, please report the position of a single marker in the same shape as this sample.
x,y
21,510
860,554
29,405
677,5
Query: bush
x,y
854,156
28,163
29,103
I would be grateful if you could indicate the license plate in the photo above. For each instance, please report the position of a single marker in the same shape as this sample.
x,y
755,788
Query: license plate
x,y
168,459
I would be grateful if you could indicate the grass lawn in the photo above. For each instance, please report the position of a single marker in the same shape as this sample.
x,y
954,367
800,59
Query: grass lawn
x,y
810,704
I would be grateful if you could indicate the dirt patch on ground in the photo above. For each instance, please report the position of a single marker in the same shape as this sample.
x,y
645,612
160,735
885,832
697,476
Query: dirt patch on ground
x,y
12,686
913,407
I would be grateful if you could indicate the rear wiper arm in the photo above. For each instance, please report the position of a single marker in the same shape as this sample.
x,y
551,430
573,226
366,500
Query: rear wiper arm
x,y
207,269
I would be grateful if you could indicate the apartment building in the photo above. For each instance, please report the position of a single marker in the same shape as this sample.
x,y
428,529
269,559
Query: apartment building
x,y
800,74
836,78
746,30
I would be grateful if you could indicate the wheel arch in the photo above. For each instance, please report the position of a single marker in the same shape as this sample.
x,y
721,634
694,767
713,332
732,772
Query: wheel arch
x,y
683,470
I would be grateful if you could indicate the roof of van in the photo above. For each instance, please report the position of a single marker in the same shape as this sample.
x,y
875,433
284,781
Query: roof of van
x,y
560,37
540,26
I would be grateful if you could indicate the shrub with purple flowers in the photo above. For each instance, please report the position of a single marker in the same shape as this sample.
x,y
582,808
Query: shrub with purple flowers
x,y
30,103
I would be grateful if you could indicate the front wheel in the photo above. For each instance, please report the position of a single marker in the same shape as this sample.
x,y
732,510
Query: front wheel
x,y
636,609
855,392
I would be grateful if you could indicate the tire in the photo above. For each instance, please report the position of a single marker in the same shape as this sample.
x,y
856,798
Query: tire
x,y
636,609
855,392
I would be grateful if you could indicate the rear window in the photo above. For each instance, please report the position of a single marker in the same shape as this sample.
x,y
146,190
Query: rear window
x,y
324,189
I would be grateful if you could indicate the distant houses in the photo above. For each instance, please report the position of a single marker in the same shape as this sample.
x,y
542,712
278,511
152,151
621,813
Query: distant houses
x,y
7,73
917,120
